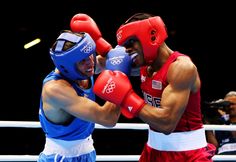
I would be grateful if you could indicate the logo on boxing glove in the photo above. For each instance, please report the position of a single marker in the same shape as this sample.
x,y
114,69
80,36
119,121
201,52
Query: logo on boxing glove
x,y
116,60
109,86
130,108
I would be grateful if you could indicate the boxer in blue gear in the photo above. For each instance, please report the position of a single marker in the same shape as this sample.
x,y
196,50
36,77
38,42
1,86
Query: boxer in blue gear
x,y
68,111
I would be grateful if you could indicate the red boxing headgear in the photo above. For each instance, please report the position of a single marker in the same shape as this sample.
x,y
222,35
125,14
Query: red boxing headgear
x,y
150,32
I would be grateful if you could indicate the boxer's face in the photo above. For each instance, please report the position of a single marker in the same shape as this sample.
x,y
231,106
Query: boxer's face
x,y
86,66
134,48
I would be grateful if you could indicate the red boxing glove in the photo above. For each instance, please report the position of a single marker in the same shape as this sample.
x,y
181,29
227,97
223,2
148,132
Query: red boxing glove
x,y
114,86
83,23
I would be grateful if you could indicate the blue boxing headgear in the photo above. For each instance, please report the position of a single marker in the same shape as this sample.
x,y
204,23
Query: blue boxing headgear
x,y
65,61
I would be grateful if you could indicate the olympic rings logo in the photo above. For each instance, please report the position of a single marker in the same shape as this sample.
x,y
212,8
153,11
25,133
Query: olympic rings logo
x,y
116,60
110,87
88,48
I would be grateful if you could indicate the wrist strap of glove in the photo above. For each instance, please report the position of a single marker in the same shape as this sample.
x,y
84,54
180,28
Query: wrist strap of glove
x,y
133,103
103,47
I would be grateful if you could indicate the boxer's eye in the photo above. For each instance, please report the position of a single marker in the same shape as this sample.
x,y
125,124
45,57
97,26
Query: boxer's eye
x,y
129,43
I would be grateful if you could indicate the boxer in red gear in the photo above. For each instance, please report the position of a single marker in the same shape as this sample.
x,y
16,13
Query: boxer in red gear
x,y
84,23
171,88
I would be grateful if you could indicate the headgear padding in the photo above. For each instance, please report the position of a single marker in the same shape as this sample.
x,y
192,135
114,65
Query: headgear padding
x,y
65,61
150,32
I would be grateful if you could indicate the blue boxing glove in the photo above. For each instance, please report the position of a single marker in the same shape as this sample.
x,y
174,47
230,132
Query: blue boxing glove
x,y
118,59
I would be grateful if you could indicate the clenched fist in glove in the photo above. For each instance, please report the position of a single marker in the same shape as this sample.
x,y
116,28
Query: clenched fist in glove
x,y
114,86
83,23
118,59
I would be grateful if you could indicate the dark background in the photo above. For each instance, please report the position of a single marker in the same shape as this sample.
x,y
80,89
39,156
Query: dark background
x,y
205,32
